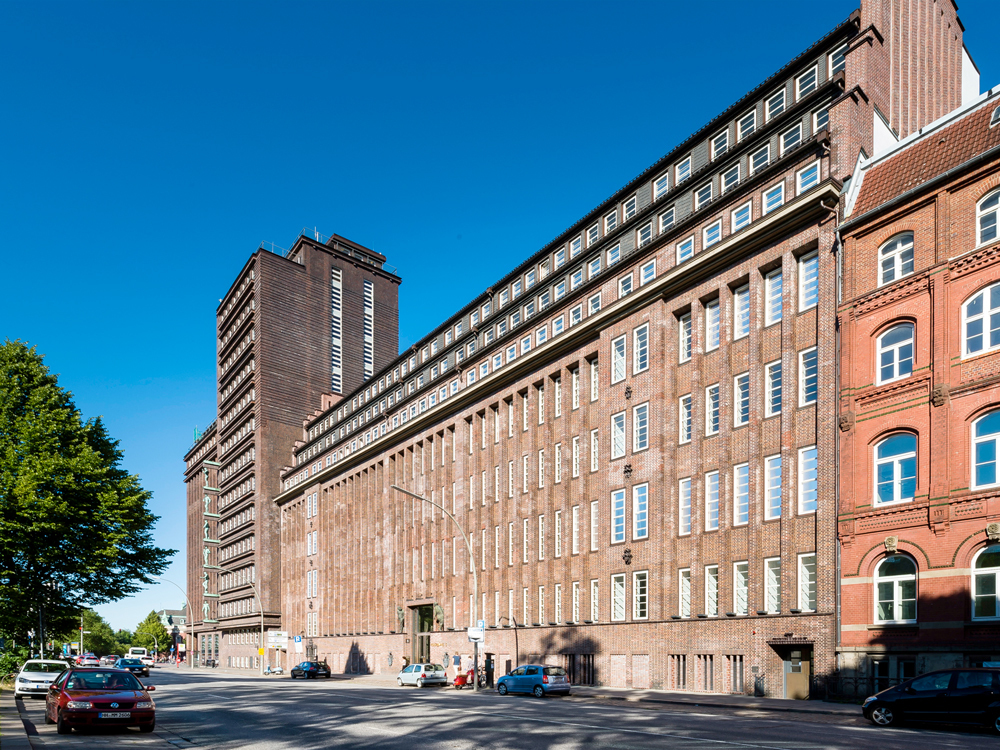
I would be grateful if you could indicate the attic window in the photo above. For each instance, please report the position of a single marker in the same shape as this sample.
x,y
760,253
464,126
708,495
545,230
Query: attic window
x,y
995,120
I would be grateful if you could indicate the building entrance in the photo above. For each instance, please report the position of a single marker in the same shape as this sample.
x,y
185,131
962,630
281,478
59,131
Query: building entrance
x,y
423,624
798,671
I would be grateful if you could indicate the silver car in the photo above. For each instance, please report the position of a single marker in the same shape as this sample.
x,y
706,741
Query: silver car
x,y
422,674
36,675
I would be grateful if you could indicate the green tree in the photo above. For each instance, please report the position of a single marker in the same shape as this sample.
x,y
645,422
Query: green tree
x,y
123,640
74,525
99,638
151,634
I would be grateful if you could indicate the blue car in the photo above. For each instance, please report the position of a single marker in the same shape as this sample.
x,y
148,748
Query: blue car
x,y
537,679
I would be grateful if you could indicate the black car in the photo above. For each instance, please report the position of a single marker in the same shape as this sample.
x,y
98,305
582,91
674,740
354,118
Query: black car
x,y
310,669
952,696
133,665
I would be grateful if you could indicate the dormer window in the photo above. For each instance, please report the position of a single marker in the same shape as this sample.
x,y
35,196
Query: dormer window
x,y
995,120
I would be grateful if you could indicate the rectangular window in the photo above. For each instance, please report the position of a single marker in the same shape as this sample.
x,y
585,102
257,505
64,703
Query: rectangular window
x,y
524,474
772,585
618,360
575,385
575,246
560,257
629,208
791,138
640,511
773,298
772,385
610,222
684,593
774,198
742,216
741,399
576,601
712,409
720,144
741,494
702,195
576,279
540,398
807,582
557,387
557,461
730,178
640,603
617,435
775,104
684,507
640,349
821,120
525,605
712,325
541,468
838,59
614,255
660,187
594,609
558,603
576,530
541,536
647,272
741,587
683,171
593,450
711,501
808,480
640,428
594,267
684,336
594,528
808,376
576,456
685,249
772,487
806,83
558,533
807,178
644,235
575,315
741,312
510,543
594,304
666,220
593,380
557,326
712,234
712,590
593,235
684,418
760,158
617,516
624,286
618,597
747,125
541,605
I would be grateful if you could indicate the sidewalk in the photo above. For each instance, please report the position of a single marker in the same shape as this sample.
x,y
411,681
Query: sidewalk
x,y
13,735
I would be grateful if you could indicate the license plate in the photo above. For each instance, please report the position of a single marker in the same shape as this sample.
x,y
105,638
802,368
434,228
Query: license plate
x,y
115,715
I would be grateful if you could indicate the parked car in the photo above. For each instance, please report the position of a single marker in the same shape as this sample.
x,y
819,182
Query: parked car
x,y
309,669
105,697
135,666
89,660
36,675
422,674
537,679
952,696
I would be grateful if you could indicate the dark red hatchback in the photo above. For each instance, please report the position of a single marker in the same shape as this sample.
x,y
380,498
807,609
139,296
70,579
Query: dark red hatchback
x,y
98,698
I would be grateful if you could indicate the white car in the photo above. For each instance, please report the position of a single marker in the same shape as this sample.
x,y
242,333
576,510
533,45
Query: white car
x,y
148,660
36,675
422,674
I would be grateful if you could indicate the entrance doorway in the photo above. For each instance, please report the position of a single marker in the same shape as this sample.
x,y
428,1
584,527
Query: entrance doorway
x,y
798,672
423,624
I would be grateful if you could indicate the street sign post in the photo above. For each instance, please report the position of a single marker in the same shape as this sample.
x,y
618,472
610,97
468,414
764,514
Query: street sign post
x,y
476,635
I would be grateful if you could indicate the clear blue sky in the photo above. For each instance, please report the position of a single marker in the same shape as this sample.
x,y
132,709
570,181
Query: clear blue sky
x,y
149,147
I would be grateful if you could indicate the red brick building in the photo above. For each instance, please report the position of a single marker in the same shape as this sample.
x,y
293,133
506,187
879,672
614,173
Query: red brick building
x,y
919,320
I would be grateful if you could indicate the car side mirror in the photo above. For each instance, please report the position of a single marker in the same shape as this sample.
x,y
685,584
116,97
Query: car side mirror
x,y
54,688
150,688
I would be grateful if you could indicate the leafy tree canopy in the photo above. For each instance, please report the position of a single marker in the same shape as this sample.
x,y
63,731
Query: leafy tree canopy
x,y
74,525
99,638
150,633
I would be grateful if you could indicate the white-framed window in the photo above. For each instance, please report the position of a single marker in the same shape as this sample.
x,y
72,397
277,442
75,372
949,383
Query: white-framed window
x,y
772,386
684,592
594,267
986,583
558,533
702,195
541,536
985,446
575,315
988,213
682,171
896,590
559,291
807,582
741,494
741,312
772,585
594,392
712,234
684,337
557,463
895,353
684,418
821,119
773,297
617,360
611,221
594,304
896,469
684,507
772,487
575,544
774,198
644,235
981,321
629,208
712,325
896,258
808,376
640,427
807,82
593,235
712,590
746,125
775,104
666,219
560,257
558,325
661,186
808,480
617,516
614,254
594,608
741,587
760,158
730,178
575,246
838,59
541,334
647,272
575,387
618,597
640,595
685,249
741,216
640,349
712,501
640,511
617,435
808,281
741,399
594,527
720,144
712,409
807,178
576,456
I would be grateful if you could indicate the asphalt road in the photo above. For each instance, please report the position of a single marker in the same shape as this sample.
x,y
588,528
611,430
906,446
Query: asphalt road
x,y
228,711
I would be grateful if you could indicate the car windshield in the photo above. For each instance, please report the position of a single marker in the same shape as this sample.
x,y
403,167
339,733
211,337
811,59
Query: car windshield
x,y
95,680
45,666
435,667
555,671
130,662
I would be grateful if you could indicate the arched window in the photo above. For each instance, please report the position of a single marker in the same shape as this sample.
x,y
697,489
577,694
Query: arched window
x,y
896,258
981,318
985,444
895,469
989,208
895,353
896,590
986,583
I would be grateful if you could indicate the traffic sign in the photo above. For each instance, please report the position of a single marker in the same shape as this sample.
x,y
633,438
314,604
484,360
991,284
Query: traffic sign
x,y
476,635
481,624
260,651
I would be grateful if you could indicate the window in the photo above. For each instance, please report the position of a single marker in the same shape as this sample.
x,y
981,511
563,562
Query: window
x,y
774,198
593,450
614,255
640,604
746,125
712,409
808,281
821,120
640,511
617,516
895,353
703,195
647,272
808,376
558,533
720,144
896,258
610,221
575,387
772,487
807,582
741,399
896,469
773,298
594,609
741,494
985,441
666,220
575,315
806,83
560,257
712,234
644,235
618,597
618,360
985,577
760,158
684,593
712,325
772,585
730,178
594,509
557,463
684,419
775,104
594,267
980,312
640,349
575,548
741,587
640,427
807,178
617,435
712,590
557,326
594,304
576,456
575,246
593,235
629,208
541,536
660,187
712,501
808,480
594,392
685,249
989,210
741,312
741,216
896,590
683,171
684,336
684,507
838,59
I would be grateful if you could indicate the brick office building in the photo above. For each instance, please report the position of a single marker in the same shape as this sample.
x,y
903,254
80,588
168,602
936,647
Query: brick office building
x,y
295,330
920,404
636,426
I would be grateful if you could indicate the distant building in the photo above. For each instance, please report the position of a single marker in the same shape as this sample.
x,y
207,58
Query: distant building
x,y
174,620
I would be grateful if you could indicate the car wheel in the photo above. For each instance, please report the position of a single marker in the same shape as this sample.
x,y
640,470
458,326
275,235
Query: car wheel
x,y
457,686
61,726
399,681
995,723
502,688
147,728
420,683
883,716
539,691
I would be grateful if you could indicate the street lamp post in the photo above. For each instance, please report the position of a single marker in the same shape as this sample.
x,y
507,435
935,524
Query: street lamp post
x,y
517,651
186,601
475,581
259,602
